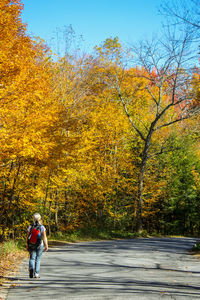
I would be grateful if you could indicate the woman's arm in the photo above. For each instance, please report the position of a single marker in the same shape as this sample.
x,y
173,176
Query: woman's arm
x,y
45,241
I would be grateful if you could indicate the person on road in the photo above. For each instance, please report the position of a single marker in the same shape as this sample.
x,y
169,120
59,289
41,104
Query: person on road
x,y
36,243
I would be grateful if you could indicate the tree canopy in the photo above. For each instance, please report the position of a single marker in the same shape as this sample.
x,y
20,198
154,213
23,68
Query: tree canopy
x,y
107,140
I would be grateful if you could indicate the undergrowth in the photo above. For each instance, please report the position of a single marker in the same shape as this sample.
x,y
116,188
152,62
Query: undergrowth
x,y
95,234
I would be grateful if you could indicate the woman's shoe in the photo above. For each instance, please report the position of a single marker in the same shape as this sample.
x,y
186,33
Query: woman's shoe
x,y
31,273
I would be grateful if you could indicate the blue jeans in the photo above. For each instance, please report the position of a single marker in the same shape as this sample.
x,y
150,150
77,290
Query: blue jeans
x,y
35,257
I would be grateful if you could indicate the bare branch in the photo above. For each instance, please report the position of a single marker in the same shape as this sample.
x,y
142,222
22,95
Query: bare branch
x,y
190,114
129,117
151,94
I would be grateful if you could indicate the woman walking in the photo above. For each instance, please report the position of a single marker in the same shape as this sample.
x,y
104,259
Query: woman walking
x,y
36,243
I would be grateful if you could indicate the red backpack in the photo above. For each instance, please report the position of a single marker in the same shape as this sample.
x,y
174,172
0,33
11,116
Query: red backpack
x,y
35,237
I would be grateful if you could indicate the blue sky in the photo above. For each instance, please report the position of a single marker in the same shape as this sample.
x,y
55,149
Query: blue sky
x,y
130,20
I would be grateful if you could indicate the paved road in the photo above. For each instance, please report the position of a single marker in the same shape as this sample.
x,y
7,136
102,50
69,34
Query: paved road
x,y
157,268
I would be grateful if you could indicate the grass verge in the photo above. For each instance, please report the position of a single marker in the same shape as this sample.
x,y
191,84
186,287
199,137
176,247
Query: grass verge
x,y
94,234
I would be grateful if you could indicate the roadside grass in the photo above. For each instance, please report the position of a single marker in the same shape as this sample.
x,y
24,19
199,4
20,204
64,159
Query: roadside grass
x,y
94,234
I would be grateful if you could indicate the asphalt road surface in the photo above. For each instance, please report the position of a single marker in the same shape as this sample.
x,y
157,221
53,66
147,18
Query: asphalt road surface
x,y
155,268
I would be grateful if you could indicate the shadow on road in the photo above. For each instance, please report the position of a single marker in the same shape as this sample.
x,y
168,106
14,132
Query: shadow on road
x,y
92,285
101,268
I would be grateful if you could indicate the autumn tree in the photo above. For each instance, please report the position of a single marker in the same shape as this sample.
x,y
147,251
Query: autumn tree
x,y
163,84
28,114
98,158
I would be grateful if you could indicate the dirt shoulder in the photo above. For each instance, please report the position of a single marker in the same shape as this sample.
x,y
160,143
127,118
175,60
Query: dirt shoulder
x,y
9,268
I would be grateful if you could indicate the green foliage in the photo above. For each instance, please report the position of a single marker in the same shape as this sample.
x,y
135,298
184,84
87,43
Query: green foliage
x,y
180,206
94,233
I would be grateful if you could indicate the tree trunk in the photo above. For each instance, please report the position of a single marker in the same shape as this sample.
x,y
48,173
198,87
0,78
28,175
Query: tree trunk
x,y
46,194
140,199
139,223
3,212
65,210
49,218
56,211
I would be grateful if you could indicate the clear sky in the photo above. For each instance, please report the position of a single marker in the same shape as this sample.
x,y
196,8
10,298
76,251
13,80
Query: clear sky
x,y
130,20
